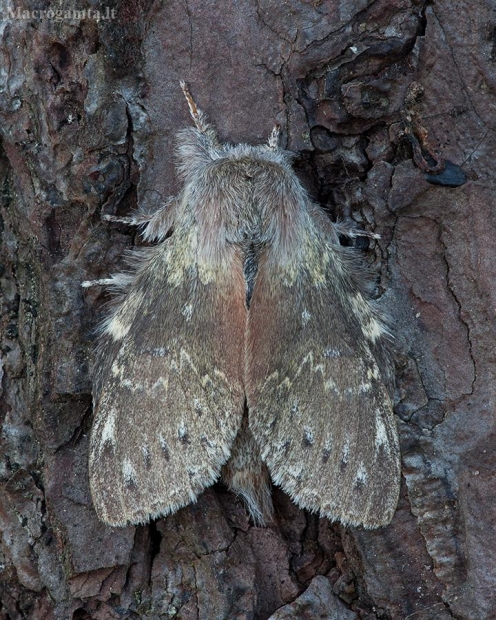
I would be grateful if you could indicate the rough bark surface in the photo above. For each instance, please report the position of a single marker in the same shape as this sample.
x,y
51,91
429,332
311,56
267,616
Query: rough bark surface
x,y
88,113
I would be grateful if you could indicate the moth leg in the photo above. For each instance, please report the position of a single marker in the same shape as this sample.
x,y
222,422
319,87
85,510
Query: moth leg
x,y
118,281
102,282
135,220
353,233
161,222
155,225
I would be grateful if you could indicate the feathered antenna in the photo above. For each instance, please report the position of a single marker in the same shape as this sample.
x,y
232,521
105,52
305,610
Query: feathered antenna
x,y
197,115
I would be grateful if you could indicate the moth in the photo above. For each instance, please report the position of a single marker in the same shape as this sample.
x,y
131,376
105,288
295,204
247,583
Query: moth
x,y
243,345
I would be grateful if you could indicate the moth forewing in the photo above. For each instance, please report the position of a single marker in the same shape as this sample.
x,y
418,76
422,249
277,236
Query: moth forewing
x,y
319,406
169,395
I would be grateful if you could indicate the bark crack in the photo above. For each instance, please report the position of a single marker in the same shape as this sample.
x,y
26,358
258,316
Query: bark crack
x,y
451,290
458,70
190,23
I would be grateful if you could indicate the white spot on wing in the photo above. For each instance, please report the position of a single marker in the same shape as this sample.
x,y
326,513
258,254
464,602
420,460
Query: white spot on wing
x,y
345,451
294,471
182,431
308,434
128,471
360,306
381,438
373,373
220,375
133,387
119,325
331,353
285,384
187,311
372,330
308,359
305,317
108,430
159,352
271,378
362,475
161,382
185,358
330,384
117,370
117,329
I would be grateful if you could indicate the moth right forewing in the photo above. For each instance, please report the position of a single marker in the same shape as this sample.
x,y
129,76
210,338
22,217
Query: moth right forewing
x,y
318,401
169,396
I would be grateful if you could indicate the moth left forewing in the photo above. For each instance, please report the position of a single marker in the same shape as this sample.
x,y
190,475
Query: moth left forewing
x,y
317,395
168,392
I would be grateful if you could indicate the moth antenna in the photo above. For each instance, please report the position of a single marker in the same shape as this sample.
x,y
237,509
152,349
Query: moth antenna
x,y
273,141
197,115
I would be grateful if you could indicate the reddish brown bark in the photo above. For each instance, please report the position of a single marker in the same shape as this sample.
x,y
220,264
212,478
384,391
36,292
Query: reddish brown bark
x,y
88,115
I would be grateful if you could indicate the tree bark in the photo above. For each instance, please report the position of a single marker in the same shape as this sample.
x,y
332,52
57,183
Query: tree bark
x,y
89,110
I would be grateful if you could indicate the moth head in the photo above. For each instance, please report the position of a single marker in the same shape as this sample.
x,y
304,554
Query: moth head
x,y
199,147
